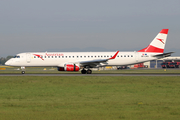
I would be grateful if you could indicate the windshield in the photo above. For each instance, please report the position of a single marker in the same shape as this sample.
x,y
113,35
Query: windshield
x,y
17,56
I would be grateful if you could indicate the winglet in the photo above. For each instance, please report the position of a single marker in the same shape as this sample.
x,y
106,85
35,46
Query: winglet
x,y
114,55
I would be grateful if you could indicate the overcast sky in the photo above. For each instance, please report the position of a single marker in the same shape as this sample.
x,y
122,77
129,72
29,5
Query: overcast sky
x,y
86,25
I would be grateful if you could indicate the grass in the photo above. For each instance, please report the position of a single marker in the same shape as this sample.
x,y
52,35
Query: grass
x,y
89,98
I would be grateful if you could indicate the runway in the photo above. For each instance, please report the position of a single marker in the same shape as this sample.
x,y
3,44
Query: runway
x,y
151,74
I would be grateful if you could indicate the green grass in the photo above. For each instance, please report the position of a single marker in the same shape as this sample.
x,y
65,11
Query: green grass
x,y
89,98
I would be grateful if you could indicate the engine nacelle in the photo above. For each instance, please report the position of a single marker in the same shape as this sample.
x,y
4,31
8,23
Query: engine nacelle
x,y
69,67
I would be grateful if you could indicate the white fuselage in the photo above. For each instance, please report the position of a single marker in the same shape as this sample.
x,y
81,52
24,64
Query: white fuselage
x,y
58,59
73,61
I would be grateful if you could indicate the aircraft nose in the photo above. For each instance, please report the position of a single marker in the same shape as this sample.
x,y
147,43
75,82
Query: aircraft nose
x,y
8,62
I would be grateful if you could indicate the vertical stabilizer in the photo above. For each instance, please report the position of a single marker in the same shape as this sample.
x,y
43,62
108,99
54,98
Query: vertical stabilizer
x,y
158,43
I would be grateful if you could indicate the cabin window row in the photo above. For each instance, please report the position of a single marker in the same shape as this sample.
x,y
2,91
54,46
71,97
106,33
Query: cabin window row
x,y
100,56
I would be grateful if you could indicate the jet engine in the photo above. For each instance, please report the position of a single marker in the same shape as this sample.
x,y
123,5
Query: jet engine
x,y
69,67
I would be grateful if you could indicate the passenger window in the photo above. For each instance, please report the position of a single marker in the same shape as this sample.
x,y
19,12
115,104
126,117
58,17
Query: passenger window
x,y
131,55
52,56
34,56
124,55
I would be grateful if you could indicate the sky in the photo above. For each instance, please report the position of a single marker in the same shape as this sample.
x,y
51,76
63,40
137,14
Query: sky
x,y
86,25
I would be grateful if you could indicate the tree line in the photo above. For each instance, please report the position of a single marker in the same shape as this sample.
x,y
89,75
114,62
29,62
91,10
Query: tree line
x,y
3,60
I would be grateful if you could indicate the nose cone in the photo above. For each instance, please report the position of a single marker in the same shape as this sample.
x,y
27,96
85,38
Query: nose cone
x,y
8,62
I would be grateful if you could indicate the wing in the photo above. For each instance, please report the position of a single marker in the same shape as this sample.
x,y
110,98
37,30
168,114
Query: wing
x,y
94,63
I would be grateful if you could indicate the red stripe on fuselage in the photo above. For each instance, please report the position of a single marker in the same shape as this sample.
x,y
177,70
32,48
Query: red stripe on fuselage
x,y
151,48
39,56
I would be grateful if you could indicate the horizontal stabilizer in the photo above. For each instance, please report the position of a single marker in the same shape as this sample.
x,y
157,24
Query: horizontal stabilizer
x,y
164,54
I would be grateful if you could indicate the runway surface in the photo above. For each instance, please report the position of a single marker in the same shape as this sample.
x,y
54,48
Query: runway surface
x,y
90,74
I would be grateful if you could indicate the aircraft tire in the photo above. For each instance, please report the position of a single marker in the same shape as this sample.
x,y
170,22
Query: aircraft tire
x,y
89,71
23,72
83,71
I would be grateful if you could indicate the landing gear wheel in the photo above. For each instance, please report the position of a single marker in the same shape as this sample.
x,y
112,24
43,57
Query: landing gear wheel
x,y
83,71
23,72
89,71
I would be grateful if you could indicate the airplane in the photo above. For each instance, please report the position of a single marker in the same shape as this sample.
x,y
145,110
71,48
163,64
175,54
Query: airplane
x,y
84,61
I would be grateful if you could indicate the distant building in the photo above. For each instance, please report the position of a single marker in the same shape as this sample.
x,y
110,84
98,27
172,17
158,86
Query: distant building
x,y
157,63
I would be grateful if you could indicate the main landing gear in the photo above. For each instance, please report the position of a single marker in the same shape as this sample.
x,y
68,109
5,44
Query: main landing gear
x,y
83,71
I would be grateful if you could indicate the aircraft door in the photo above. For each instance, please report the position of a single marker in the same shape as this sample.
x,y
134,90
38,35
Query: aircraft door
x,y
28,57
137,56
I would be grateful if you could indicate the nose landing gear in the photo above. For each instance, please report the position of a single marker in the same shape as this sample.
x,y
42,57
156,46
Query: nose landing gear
x,y
23,70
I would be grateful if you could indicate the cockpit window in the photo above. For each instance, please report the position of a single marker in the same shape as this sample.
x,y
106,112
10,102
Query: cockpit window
x,y
17,56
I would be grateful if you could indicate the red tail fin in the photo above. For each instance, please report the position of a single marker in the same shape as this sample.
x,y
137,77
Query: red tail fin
x,y
158,43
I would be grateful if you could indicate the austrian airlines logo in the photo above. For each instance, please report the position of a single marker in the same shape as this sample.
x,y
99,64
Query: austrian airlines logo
x,y
39,56
161,40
